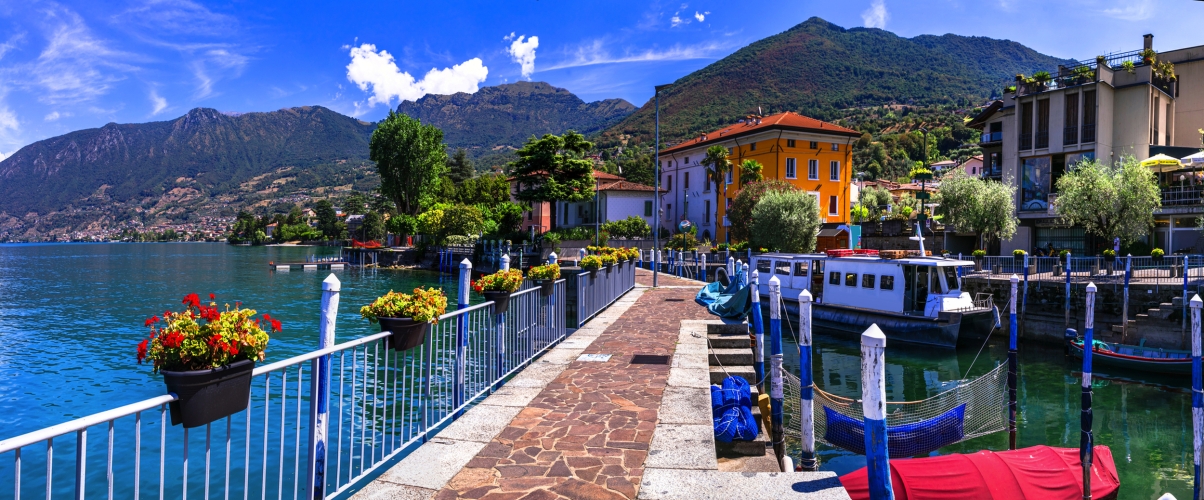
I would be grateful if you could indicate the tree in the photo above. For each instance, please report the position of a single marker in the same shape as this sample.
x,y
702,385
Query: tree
x,y
786,221
373,227
875,199
986,207
410,157
633,226
553,168
460,167
750,171
718,166
328,221
355,203
740,214
1110,201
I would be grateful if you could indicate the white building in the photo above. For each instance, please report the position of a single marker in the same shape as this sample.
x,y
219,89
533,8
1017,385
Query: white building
x,y
617,199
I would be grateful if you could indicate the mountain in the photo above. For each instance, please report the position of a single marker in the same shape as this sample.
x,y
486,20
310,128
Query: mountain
x,y
500,118
205,162
817,68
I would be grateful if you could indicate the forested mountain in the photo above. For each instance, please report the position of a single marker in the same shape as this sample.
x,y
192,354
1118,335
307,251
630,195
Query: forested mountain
x,y
818,69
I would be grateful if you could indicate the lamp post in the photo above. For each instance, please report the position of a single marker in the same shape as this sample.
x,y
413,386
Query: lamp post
x,y
923,184
597,215
656,234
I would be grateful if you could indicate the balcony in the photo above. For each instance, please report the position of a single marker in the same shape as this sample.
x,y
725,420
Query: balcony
x,y
1026,141
1088,132
1183,195
1042,139
989,137
1070,135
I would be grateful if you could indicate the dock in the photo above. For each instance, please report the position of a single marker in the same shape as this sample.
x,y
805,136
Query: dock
x,y
307,266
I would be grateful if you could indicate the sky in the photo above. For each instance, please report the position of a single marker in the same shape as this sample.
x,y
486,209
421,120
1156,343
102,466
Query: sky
x,y
79,64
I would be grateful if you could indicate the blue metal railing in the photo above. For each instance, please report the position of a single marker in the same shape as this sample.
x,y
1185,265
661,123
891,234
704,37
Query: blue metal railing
x,y
598,289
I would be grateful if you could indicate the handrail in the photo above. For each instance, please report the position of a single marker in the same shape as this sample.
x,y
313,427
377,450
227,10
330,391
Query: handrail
x,y
43,434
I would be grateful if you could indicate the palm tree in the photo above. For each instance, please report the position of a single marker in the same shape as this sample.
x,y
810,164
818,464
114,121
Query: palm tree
x,y
718,166
750,171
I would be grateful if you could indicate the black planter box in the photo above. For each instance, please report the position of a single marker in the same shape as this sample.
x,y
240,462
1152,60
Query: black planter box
x,y
407,333
206,396
545,287
1109,258
501,300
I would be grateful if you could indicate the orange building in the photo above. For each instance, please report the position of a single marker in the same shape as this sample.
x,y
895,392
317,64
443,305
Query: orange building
x,y
813,155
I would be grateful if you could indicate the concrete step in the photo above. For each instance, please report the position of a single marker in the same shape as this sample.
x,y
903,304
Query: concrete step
x,y
717,374
729,341
730,357
728,327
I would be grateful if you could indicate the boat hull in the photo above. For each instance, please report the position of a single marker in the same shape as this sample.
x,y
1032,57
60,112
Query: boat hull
x,y
944,331
1113,360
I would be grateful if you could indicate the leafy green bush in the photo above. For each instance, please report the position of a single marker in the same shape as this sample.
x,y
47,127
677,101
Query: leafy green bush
x,y
631,227
1018,253
1157,253
740,213
980,253
1108,253
591,263
787,221
682,241
402,224
459,239
740,246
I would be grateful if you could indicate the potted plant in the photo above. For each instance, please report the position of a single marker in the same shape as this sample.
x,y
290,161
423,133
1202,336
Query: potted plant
x,y
608,261
1109,255
498,286
545,277
408,316
1019,254
206,357
1063,255
1157,254
978,255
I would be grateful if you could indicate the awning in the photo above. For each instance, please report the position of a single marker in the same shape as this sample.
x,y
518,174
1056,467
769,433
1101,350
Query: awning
x,y
1162,163
829,233
1196,159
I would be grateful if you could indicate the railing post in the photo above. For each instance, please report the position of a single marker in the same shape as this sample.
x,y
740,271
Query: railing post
x,y
679,263
1012,362
1183,327
1086,441
1197,392
806,384
745,281
461,333
704,268
500,335
775,368
1066,321
873,408
758,327
731,267
319,389
1124,312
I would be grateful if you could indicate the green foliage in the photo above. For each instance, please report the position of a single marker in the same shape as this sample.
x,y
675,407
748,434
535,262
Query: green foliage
x,y
682,241
296,232
986,207
718,165
1109,201
490,189
1042,77
574,233
373,227
410,158
459,167
1019,253
859,213
786,221
750,171
502,218
632,227
875,199
461,219
463,240
634,164
402,224
740,215
591,263
1157,253
328,221
355,203
979,253
1108,252
554,168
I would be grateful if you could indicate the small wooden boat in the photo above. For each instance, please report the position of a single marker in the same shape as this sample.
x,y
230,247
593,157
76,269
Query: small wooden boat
x,y
1135,357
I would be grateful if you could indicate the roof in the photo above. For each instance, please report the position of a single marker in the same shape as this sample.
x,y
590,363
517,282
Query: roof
x,y
784,121
980,120
625,185
828,233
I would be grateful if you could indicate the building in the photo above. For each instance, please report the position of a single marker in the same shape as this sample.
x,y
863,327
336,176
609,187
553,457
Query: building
x,y
617,199
1105,108
973,167
812,155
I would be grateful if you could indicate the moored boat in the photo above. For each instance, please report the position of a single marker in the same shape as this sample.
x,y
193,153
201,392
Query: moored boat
x,y
1135,357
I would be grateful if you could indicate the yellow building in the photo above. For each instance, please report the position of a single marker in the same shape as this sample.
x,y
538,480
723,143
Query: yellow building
x,y
813,155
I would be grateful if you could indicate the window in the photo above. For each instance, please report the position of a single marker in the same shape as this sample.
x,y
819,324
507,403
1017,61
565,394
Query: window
x,y
529,214
1026,125
832,206
1070,132
850,279
887,283
790,169
669,183
813,170
1088,116
800,268
687,163
729,177
668,211
835,147
706,212
951,278
764,266
685,181
731,151
834,170
867,281
834,278
752,146
790,143
1043,123
647,209
814,145
566,212
781,267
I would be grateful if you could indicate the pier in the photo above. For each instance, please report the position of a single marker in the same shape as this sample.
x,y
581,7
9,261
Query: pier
x,y
308,266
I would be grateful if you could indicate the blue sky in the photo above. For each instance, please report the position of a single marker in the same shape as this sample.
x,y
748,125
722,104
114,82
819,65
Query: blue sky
x,y
78,64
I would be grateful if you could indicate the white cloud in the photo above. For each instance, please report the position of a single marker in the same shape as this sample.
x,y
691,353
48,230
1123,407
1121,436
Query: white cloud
x,y
4,155
177,17
1132,11
214,65
595,53
509,37
370,68
876,15
8,120
52,116
701,16
676,21
75,65
523,53
158,103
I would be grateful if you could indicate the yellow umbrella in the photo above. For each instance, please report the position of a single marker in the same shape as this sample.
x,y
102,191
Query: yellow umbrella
x,y
1162,163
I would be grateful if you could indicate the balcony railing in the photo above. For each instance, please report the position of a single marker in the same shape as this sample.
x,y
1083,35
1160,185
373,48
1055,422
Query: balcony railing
x,y
1042,139
1088,132
1070,135
1026,141
988,137
1180,196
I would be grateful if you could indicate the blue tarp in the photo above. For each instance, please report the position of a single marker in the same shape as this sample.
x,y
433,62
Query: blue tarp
x,y
909,440
733,302
731,409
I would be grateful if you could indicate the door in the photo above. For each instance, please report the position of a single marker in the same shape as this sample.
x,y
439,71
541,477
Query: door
x,y
915,289
817,281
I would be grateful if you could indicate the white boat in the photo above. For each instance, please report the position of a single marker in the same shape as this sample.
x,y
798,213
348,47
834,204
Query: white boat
x,y
912,298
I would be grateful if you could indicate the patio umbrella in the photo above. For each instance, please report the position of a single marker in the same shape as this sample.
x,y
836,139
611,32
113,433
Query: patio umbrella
x,y
1161,163
1195,159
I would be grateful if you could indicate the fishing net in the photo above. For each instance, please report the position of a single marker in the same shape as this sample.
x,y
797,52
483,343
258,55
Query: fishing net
x,y
972,408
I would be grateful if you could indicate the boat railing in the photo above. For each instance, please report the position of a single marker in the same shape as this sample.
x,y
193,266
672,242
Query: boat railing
x,y
982,302
317,424
1167,270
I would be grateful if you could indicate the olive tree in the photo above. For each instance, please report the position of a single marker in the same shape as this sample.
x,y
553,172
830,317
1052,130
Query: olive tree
x,y
786,221
740,214
1110,201
986,207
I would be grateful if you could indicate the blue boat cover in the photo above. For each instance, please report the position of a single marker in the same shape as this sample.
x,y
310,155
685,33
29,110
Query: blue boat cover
x,y
733,302
731,408
903,441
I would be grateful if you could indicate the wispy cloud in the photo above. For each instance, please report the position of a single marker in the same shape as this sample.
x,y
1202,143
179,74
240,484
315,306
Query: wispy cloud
x,y
1133,10
158,103
523,53
54,116
701,16
875,16
376,72
75,66
595,52
214,65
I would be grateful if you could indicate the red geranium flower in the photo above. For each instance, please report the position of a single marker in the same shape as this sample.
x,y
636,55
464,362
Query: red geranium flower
x,y
141,351
211,296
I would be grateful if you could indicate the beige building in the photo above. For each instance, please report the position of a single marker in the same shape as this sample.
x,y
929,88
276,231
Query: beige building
x,y
1105,108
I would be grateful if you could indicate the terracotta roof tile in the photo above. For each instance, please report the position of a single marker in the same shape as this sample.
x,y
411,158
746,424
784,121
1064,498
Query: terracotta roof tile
x,y
787,120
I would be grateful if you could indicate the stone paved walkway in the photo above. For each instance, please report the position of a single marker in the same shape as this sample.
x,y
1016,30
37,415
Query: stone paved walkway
x,y
586,435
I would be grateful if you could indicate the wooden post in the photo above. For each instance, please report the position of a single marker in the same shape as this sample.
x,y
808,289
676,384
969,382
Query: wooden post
x,y
319,387
461,332
1086,442
873,407
806,384
1066,322
758,337
1197,393
1012,362
1124,312
775,369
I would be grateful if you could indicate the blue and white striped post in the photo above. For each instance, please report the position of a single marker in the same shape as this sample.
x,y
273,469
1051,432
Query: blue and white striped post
x,y
744,281
1124,314
500,335
319,387
580,255
1024,298
1012,362
807,458
462,332
731,267
775,368
1086,442
551,325
758,326
1186,259
1066,321
704,268
1197,393
680,263
873,407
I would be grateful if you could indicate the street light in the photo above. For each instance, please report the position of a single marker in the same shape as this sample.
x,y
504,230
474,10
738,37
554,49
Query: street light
x,y
597,215
656,233
922,183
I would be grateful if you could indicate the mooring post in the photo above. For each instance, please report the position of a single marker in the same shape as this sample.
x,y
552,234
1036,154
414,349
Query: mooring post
x,y
319,387
461,332
1197,391
873,408
580,255
704,267
731,267
807,394
744,281
1124,312
660,257
500,335
775,369
1024,298
758,328
1086,442
1186,261
1012,362
680,260
1066,322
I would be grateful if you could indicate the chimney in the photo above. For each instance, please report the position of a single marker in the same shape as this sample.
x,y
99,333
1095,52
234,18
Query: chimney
x,y
1148,41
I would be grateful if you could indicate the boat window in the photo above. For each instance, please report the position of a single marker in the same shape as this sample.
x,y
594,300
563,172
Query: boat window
x,y
800,268
887,282
850,279
951,278
834,278
782,267
867,281
763,266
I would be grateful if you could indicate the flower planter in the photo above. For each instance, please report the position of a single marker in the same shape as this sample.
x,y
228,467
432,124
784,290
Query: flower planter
x,y
545,287
609,268
1019,259
206,396
407,333
1109,258
501,300
593,273
1158,259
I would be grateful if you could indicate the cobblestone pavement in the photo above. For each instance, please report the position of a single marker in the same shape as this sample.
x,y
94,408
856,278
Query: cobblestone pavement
x,y
643,277
586,435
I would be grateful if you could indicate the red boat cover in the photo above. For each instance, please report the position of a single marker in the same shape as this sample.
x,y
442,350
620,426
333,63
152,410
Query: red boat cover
x,y
1039,472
